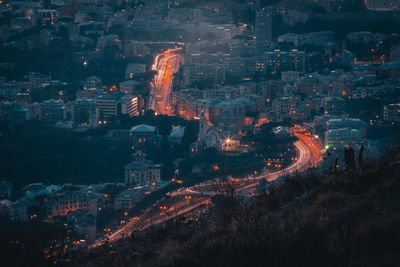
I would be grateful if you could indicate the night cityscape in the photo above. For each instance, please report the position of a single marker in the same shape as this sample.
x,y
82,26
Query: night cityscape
x,y
200,133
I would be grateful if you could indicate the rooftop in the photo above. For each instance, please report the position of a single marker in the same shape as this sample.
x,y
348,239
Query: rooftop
x,y
143,128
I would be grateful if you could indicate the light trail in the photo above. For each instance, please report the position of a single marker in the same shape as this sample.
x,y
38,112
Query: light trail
x,y
166,64
308,155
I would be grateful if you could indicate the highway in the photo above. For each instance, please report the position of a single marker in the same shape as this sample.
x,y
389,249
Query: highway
x,y
192,198
166,64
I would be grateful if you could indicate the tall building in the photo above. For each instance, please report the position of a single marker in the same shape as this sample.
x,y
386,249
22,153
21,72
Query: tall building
x,y
263,27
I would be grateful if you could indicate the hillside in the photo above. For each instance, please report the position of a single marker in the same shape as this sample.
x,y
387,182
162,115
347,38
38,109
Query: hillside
x,y
337,218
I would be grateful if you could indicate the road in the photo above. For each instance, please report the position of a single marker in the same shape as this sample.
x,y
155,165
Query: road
x,y
307,156
166,64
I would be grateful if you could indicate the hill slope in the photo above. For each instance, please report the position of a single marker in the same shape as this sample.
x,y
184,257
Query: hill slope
x,y
338,218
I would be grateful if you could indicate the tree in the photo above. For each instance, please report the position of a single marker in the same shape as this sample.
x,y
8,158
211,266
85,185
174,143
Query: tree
x,y
360,156
349,158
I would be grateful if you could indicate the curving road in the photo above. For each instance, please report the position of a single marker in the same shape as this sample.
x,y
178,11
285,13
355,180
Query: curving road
x,y
308,155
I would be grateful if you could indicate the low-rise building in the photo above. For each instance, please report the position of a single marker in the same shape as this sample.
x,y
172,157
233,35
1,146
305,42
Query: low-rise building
x,y
142,135
347,123
177,134
127,199
391,112
342,138
141,171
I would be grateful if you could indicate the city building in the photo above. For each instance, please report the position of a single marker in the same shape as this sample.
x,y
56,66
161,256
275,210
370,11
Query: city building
x,y
279,61
395,53
263,30
177,134
61,203
142,135
111,105
391,112
341,138
108,106
5,189
83,109
135,50
347,123
141,171
52,111
13,112
133,69
130,105
128,198
382,5
130,87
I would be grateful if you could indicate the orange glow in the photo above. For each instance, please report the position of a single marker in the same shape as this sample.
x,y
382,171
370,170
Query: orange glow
x,y
126,213
179,181
215,168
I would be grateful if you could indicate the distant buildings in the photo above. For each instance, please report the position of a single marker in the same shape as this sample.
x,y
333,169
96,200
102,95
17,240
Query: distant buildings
x,y
279,61
5,189
382,5
391,112
52,111
395,53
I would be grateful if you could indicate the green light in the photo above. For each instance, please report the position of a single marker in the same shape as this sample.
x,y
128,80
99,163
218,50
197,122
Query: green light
x,y
326,147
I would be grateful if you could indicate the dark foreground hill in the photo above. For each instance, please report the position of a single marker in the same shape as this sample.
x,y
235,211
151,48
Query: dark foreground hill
x,y
338,218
